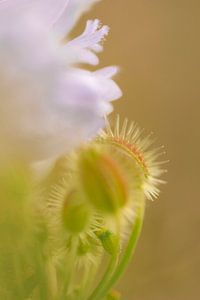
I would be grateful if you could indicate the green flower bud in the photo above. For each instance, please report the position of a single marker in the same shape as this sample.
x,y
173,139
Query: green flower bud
x,y
83,248
113,295
109,241
75,215
103,181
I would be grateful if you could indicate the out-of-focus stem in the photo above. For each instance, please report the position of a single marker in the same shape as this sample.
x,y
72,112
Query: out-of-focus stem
x,y
107,283
52,280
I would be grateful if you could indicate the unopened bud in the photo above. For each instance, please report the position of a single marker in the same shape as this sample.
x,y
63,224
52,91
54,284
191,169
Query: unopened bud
x,y
113,295
103,181
83,248
75,215
109,241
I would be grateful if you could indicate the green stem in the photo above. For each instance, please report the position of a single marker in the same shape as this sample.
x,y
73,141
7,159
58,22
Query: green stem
x,y
109,271
107,283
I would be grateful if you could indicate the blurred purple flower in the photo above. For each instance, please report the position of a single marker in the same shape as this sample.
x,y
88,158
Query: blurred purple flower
x,y
48,105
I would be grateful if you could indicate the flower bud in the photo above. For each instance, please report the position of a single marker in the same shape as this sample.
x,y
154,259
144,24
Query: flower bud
x,y
109,241
75,215
103,181
83,248
113,295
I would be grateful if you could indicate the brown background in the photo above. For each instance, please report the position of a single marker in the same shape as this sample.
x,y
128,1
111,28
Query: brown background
x,y
157,45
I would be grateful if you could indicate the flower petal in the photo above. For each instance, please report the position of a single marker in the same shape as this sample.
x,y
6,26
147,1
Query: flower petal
x,y
49,11
109,90
47,107
71,14
83,47
38,129
61,14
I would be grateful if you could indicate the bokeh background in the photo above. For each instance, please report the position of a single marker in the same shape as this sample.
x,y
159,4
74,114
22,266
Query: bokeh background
x,y
157,45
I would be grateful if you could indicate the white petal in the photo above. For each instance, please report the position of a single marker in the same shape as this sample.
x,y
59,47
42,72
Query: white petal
x,y
47,108
48,10
74,55
106,89
109,89
107,72
93,34
70,16
61,14
82,48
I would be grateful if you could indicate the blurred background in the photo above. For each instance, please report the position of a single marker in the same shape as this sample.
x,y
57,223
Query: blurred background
x,y
157,45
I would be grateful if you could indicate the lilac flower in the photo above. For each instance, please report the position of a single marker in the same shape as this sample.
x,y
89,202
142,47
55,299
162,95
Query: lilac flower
x,y
48,105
